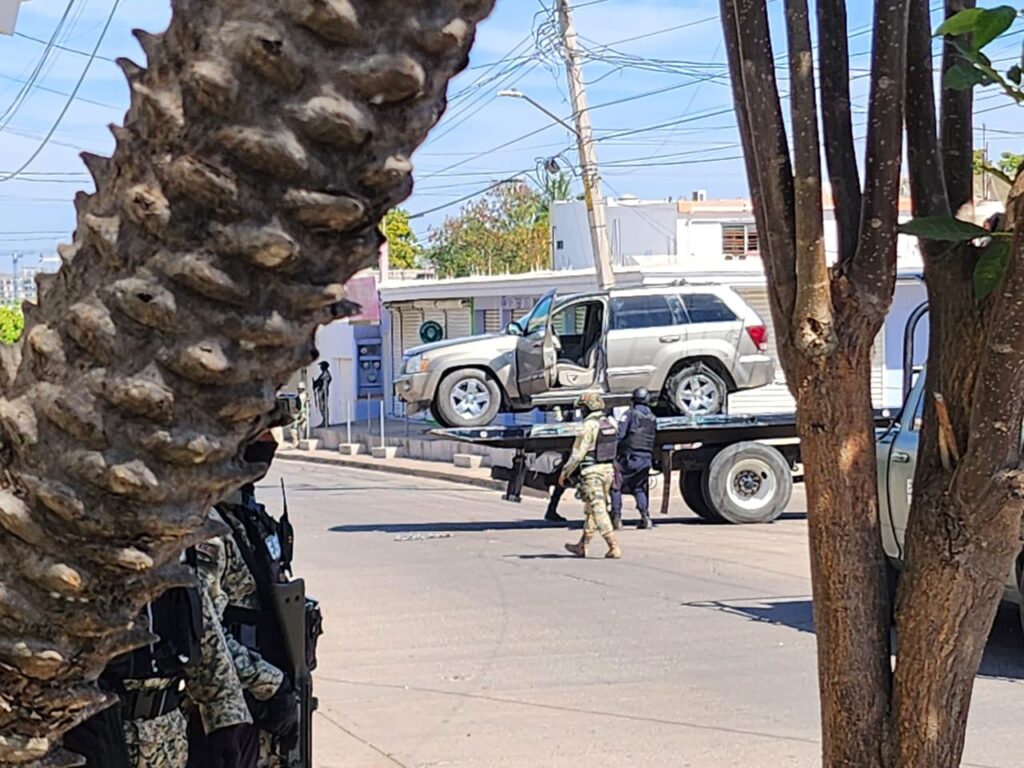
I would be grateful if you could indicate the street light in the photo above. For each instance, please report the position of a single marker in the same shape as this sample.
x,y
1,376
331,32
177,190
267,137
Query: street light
x,y
512,93
592,196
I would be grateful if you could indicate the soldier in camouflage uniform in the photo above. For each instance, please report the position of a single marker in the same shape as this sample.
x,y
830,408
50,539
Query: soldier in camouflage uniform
x,y
159,739
593,454
212,686
224,573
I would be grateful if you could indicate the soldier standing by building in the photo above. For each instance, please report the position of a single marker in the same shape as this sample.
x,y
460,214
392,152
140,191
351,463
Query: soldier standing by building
x,y
592,455
637,436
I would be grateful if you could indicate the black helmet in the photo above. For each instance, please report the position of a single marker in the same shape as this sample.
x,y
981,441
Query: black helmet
x,y
641,396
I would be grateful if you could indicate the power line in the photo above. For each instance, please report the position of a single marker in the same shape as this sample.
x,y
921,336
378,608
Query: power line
x,y
479,192
15,105
71,97
62,47
80,99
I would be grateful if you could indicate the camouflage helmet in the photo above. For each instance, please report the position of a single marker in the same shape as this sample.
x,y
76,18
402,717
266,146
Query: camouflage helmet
x,y
590,401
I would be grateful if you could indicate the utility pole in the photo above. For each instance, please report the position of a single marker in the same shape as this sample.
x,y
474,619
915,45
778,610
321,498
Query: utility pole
x,y
596,212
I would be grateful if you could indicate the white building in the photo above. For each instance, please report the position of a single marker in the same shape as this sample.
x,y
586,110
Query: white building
x,y
696,233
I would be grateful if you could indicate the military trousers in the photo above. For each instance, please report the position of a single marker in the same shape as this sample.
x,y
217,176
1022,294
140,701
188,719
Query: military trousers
x,y
595,488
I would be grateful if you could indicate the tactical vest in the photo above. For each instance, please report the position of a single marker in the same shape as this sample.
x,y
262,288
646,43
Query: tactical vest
x,y
176,618
607,441
267,547
642,434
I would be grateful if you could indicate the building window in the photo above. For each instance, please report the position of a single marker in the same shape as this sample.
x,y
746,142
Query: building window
x,y
560,245
740,241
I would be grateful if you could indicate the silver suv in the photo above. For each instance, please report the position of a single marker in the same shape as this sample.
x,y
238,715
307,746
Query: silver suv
x,y
690,345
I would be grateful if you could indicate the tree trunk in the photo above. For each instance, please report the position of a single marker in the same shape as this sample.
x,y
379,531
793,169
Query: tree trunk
x,y
948,599
850,613
964,531
265,141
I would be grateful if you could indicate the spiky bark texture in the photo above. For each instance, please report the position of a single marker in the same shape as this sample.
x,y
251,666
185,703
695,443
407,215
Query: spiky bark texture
x,y
265,140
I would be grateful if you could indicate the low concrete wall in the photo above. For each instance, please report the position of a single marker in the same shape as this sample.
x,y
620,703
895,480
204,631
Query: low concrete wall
x,y
416,446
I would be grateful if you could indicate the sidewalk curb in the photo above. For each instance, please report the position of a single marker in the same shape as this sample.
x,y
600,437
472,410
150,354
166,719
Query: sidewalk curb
x,y
390,469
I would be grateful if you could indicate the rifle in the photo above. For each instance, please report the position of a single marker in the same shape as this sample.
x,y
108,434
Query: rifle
x,y
300,623
292,627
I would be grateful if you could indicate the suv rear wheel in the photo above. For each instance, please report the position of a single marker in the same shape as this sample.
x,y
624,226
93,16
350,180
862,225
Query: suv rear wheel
x,y
697,390
467,398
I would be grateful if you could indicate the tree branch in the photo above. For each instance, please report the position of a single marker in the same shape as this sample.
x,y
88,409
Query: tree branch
x,y
812,320
927,182
837,122
765,149
998,401
873,272
957,125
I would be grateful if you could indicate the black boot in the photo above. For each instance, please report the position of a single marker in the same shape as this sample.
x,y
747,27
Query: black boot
x,y
645,521
553,517
616,521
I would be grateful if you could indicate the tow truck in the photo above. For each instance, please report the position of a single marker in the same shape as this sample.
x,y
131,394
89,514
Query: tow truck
x,y
734,469
729,468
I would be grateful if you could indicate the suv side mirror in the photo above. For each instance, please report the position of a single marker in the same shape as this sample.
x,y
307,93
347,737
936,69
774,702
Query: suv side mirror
x,y
513,329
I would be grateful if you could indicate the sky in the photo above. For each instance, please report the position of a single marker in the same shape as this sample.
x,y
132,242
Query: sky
x,y
657,85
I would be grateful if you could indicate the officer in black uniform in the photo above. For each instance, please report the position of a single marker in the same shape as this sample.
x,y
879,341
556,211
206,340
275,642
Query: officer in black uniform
x,y
637,436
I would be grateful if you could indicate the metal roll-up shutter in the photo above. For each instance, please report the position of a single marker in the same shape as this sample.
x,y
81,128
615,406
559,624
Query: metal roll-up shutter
x,y
774,398
492,321
411,319
458,323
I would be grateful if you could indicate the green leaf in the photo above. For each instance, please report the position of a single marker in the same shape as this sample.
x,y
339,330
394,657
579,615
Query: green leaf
x,y
963,77
960,23
1013,74
992,24
984,24
943,228
991,267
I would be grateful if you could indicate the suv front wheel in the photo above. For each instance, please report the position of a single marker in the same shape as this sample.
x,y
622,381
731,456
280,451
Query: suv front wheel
x,y
467,398
697,390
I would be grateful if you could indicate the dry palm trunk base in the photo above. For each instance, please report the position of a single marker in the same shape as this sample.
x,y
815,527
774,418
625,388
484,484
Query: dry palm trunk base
x,y
265,140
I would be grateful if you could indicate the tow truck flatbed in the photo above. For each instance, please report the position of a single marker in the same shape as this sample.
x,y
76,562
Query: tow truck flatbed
x,y
673,430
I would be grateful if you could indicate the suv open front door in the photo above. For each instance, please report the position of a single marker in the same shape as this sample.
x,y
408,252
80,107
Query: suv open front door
x,y
536,355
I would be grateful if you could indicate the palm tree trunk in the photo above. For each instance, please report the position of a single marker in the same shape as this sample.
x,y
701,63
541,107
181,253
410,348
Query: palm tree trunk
x,y
264,142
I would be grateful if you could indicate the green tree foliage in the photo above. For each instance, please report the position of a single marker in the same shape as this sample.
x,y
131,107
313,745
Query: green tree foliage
x,y
1007,165
12,322
404,248
1010,163
506,231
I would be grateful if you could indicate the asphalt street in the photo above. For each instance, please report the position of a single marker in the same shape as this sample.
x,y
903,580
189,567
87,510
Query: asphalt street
x,y
460,634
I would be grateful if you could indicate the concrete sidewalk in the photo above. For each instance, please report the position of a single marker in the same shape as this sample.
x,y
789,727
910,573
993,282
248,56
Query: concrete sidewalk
x,y
434,470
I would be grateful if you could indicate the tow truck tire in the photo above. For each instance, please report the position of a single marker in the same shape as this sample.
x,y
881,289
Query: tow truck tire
x,y
748,483
691,486
467,398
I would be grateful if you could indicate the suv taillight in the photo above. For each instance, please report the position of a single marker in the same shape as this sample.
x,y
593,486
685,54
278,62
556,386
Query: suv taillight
x,y
759,335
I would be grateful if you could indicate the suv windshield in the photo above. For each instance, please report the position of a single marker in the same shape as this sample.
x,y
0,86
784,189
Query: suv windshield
x,y
536,317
